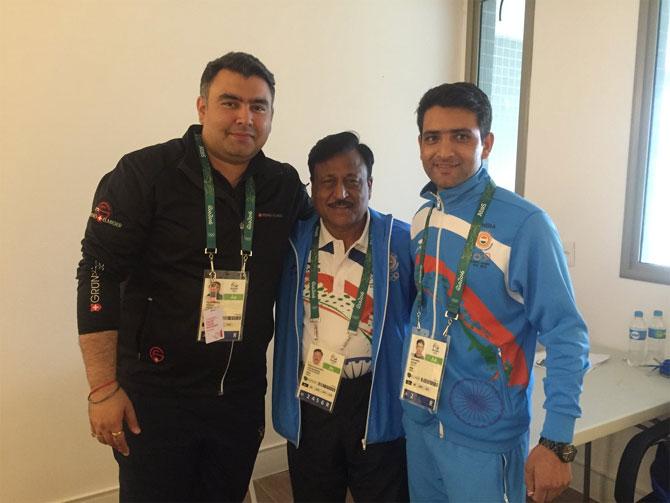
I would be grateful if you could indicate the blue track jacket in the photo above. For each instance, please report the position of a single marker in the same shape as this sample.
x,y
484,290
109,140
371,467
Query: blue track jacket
x,y
393,294
517,292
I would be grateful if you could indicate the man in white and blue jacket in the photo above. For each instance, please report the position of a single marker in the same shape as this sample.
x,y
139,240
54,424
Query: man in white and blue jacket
x,y
514,292
364,273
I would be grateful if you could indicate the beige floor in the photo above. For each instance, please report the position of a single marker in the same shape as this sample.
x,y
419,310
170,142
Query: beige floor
x,y
277,489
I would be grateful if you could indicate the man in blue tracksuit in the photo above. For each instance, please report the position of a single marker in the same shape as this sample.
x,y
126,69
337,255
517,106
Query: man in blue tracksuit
x,y
342,312
492,281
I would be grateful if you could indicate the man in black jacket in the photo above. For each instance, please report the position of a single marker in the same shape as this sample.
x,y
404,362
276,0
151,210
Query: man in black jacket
x,y
178,381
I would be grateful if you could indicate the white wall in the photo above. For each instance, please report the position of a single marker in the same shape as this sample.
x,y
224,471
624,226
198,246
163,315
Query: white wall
x,y
580,109
82,82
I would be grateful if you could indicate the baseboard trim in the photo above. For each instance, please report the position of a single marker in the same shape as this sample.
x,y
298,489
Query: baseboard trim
x,y
111,494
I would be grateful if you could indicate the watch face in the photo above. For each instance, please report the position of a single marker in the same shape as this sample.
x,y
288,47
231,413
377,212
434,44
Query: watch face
x,y
565,452
568,453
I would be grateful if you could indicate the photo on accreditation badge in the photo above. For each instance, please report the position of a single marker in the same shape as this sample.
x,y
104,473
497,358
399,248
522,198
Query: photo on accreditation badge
x,y
419,348
317,357
213,291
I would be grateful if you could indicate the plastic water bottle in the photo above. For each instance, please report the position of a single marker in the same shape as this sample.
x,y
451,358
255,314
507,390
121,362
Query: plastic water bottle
x,y
656,338
637,335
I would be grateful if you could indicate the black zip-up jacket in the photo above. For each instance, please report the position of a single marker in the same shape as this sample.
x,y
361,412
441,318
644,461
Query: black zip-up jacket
x,y
143,263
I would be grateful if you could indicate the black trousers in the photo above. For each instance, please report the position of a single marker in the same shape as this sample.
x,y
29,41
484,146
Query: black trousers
x,y
191,449
330,457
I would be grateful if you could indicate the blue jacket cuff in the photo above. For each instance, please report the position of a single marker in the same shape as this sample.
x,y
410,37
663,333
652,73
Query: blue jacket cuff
x,y
558,427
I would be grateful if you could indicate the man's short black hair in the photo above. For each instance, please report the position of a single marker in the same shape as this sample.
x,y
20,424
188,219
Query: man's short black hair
x,y
339,143
458,95
238,62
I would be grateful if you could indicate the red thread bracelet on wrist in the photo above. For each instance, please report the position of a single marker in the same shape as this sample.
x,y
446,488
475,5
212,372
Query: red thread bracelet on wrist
x,y
106,397
98,388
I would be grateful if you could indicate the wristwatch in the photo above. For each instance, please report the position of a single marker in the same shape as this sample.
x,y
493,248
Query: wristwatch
x,y
565,452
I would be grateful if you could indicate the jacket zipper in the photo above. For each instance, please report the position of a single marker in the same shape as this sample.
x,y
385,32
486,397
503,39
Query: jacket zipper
x,y
502,378
364,440
504,480
297,335
437,272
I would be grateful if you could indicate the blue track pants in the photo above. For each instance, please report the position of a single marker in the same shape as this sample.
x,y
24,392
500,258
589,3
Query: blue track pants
x,y
440,470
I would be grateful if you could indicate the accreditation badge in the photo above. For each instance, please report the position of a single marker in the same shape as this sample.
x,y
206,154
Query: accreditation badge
x,y
424,370
224,295
320,378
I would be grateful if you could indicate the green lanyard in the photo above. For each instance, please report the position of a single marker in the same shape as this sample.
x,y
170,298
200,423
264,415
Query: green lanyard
x,y
361,296
453,307
419,267
210,210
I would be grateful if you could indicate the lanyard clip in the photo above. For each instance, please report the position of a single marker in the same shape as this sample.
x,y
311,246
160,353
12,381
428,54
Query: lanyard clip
x,y
315,329
451,317
245,257
210,252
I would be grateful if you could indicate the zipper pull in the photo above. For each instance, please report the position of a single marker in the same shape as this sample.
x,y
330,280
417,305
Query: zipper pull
x,y
505,498
364,444
440,429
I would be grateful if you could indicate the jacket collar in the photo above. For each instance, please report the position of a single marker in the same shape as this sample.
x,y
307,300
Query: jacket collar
x,y
453,196
361,243
190,163
378,224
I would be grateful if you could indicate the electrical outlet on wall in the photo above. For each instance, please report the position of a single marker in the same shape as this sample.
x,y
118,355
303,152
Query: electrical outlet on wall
x,y
569,250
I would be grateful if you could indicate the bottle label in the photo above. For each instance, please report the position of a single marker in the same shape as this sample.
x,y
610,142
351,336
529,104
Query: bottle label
x,y
637,334
657,333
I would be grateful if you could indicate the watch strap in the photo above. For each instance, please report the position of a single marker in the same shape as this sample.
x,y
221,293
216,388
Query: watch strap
x,y
564,451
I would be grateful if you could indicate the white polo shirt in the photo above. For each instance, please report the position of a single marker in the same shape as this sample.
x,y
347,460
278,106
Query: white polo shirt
x,y
340,273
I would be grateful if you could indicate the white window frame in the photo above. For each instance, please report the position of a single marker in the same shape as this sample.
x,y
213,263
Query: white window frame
x,y
638,158
474,23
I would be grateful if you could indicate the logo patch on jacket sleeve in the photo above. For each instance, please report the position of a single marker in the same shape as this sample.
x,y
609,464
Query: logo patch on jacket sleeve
x,y
95,290
393,267
102,213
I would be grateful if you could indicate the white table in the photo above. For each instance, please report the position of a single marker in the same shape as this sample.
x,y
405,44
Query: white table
x,y
615,397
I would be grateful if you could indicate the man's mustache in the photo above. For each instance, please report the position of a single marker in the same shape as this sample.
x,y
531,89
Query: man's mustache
x,y
341,203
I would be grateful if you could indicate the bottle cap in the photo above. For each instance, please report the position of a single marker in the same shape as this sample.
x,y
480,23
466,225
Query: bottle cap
x,y
658,313
638,314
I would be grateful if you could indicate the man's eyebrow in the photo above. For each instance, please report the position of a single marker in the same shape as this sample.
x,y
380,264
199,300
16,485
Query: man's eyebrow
x,y
228,96
442,131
